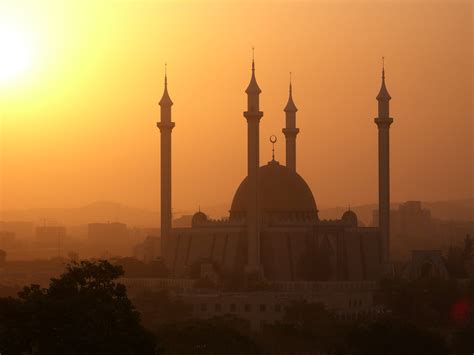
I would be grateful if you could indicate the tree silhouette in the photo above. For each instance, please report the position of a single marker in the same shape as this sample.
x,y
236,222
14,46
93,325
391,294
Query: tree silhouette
x,y
220,335
82,312
392,337
306,328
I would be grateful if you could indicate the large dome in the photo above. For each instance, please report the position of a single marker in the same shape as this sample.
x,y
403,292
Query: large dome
x,y
282,192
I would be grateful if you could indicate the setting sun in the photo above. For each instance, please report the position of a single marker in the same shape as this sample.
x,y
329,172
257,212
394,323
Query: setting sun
x,y
15,52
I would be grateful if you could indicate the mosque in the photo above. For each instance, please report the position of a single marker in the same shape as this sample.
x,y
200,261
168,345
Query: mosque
x,y
273,227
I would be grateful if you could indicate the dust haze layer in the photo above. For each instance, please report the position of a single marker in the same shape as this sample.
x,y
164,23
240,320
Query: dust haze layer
x,y
82,127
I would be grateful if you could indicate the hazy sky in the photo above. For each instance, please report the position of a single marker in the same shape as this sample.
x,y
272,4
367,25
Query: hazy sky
x,y
79,123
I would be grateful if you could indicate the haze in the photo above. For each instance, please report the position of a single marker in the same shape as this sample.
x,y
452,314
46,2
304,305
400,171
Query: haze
x,y
80,125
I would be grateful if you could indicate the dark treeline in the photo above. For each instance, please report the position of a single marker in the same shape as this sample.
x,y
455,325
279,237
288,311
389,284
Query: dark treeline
x,y
86,311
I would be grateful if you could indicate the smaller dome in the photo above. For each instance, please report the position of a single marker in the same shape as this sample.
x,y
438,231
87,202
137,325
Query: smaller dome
x,y
199,218
349,218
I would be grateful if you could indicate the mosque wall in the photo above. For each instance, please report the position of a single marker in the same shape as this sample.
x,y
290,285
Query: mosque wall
x,y
226,246
371,248
355,259
353,252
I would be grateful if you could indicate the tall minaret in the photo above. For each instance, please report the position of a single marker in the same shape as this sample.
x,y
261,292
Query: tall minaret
x,y
253,116
290,131
165,126
383,122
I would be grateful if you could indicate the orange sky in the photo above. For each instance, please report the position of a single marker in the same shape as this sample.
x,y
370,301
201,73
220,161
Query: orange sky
x,y
79,125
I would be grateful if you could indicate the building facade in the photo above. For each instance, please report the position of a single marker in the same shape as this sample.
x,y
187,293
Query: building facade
x,y
273,228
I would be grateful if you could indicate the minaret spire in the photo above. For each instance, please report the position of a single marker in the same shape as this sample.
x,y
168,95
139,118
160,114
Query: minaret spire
x,y
253,90
290,131
253,59
383,122
166,126
290,84
383,93
165,99
253,116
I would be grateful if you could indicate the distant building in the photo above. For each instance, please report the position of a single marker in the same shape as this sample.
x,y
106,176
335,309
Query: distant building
x,y
7,240
22,229
413,228
148,250
50,236
109,238
426,264
409,219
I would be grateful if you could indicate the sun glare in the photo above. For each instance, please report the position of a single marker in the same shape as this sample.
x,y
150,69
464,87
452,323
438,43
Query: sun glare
x,y
15,53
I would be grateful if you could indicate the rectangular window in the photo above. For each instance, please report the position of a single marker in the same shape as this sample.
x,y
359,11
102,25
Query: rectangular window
x,y
263,308
217,307
233,308
247,308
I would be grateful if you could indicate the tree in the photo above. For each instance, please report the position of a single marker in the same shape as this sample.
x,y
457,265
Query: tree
x,y
159,307
73,256
463,339
424,301
391,336
137,268
468,256
305,328
82,312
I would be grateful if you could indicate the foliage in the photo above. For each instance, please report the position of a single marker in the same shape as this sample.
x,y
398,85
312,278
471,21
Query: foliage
x,y
159,307
463,339
424,301
391,336
82,312
305,328
219,335
137,268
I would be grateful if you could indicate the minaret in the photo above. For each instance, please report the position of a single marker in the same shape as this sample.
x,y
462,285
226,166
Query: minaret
x,y
253,116
383,122
290,131
165,126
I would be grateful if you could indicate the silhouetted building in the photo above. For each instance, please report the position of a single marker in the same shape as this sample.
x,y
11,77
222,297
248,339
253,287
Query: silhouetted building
x,y
273,227
413,228
148,250
109,238
410,219
426,264
50,236
348,301
22,229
